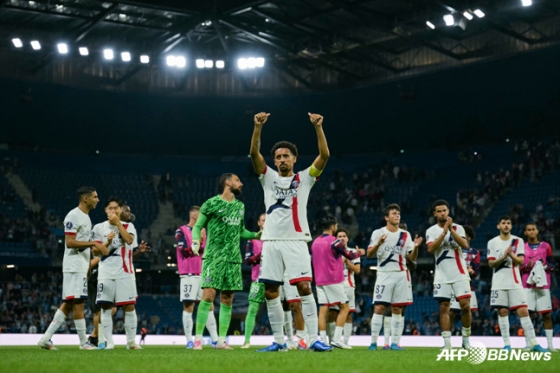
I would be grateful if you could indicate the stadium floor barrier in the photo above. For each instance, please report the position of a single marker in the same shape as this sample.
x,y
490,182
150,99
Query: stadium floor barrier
x,y
179,340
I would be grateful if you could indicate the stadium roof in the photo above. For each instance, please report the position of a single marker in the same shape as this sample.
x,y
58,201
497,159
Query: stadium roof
x,y
307,45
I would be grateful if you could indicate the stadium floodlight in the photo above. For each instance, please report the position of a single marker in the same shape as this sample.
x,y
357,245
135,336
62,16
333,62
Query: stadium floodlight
x,y
251,62
108,54
35,45
208,64
220,64
467,15
526,2
430,25
83,51
479,13
181,62
17,42
171,61
242,63
449,19
200,63
62,48
145,58
125,56
260,62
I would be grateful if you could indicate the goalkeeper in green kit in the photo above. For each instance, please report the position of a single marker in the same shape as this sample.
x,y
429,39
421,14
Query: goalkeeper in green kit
x,y
223,216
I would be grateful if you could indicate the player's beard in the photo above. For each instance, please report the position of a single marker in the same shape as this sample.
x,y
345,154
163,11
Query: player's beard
x,y
236,191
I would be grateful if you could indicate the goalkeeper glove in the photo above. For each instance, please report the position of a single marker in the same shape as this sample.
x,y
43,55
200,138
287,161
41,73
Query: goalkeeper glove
x,y
195,247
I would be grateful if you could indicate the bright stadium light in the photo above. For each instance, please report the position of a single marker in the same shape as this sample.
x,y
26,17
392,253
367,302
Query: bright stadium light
x,y
208,64
145,58
83,51
526,2
126,56
200,63
449,19
171,61
35,45
108,54
479,13
251,62
260,62
220,64
242,63
430,25
17,42
467,15
62,48
181,61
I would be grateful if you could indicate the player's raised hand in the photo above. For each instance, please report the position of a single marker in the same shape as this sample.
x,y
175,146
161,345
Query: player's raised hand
x,y
381,240
417,241
144,247
448,224
507,253
261,118
258,235
362,251
113,218
110,236
316,119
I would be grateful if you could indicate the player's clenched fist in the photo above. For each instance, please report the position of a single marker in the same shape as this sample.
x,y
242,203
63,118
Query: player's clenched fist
x,y
316,119
261,118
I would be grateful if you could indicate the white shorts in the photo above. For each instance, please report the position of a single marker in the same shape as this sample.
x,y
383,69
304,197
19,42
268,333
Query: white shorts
x,y
539,300
190,288
459,289
351,294
331,295
285,259
457,307
509,298
74,285
119,292
393,288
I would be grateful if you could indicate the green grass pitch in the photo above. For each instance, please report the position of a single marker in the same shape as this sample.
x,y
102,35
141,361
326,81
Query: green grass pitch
x,y
156,359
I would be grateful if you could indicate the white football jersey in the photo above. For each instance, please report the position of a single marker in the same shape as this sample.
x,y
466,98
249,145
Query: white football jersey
x,y
349,280
391,255
77,223
450,263
118,263
507,275
286,199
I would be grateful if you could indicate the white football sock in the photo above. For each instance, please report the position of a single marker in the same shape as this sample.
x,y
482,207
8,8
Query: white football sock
x,y
503,322
58,320
130,326
107,323
187,325
288,325
276,318
387,330
309,310
528,329
347,332
212,327
396,328
376,325
80,325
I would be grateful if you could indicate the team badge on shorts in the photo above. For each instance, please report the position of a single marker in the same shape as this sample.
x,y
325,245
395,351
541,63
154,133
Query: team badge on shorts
x,y
378,296
435,292
208,279
187,295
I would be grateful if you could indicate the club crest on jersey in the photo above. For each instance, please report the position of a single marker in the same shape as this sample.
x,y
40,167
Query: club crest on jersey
x,y
240,212
401,242
295,183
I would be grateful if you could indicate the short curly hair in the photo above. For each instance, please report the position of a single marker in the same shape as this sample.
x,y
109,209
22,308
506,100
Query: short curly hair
x,y
284,144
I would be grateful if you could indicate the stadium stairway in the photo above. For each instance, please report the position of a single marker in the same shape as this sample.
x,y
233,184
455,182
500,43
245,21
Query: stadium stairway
x,y
165,219
23,192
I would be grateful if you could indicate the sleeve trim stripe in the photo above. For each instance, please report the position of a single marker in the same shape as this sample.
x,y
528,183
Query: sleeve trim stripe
x,y
70,233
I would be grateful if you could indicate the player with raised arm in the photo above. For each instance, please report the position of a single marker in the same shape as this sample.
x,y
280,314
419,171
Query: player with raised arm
x,y
286,230
327,252
446,240
223,216
538,295
472,260
75,267
190,268
505,255
116,284
393,246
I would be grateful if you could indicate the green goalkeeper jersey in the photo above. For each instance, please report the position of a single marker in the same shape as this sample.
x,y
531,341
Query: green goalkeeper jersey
x,y
225,223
